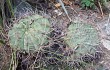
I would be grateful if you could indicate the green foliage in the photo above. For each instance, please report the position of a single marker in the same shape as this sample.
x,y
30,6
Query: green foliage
x,y
29,33
83,36
87,3
10,7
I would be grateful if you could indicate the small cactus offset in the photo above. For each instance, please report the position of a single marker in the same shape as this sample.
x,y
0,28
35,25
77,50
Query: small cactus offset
x,y
83,36
29,33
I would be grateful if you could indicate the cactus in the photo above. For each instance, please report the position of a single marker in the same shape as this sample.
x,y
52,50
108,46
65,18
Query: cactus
x,y
83,36
29,33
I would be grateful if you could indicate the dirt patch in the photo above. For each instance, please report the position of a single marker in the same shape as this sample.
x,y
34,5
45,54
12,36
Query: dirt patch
x,y
5,57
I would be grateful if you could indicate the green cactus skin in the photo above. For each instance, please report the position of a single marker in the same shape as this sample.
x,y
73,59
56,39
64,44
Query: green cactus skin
x,y
29,33
83,35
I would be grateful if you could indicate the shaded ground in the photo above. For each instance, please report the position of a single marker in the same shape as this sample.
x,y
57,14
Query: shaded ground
x,y
5,57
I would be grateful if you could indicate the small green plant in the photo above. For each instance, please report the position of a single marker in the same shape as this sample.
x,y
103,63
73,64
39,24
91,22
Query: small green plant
x,y
83,36
29,33
87,3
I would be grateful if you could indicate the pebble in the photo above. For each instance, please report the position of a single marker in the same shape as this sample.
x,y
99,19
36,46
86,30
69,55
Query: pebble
x,y
106,43
107,29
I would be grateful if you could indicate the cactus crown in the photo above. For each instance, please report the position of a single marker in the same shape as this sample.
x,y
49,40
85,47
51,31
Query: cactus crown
x,y
29,33
83,36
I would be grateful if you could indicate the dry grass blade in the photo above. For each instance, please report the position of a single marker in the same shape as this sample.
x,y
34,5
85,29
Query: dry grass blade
x,y
62,4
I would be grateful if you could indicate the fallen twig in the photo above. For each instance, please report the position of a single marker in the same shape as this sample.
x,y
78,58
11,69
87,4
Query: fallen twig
x,y
100,7
60,1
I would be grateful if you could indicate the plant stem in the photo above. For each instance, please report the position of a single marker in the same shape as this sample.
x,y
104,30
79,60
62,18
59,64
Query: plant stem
x,y
10,7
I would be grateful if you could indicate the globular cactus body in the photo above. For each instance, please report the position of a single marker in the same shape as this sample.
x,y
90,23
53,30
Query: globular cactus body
x,y
29,33
83,36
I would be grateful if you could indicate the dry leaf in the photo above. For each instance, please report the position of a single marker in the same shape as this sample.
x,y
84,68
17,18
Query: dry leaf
x,y
57,5
66,2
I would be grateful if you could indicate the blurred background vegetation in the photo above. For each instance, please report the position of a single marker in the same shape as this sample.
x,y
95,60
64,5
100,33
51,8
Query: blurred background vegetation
x,y
13,8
